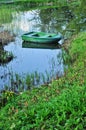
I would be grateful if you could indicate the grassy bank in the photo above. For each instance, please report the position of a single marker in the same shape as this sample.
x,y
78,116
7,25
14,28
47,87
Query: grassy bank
x,y
50,2
57,106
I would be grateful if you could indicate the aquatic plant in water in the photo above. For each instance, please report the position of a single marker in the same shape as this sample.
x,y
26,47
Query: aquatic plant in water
x,y
5,56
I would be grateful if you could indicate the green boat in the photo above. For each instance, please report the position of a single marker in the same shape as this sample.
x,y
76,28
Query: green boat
x,y
42,37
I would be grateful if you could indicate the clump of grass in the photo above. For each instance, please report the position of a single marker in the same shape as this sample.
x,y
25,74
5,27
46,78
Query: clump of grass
x,y
5,95
5,56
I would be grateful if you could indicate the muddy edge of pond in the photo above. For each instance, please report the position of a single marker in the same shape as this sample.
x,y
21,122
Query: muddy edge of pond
x,y
67,42
5,38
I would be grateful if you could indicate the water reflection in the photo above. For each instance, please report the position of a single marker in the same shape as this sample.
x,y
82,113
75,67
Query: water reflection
x,y
47,20
29,60
23,22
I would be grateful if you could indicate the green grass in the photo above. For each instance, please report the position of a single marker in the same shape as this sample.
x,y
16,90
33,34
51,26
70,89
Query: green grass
x,y
61,105
55,2
5,14
5,56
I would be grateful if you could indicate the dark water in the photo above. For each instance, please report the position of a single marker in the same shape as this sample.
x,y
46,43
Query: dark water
x,y
28,60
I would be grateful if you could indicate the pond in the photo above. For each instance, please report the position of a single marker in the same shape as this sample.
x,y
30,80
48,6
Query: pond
x,y
27,61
